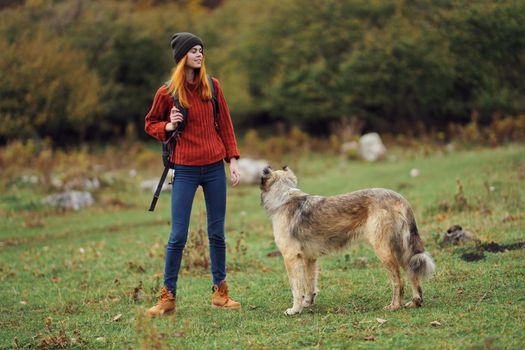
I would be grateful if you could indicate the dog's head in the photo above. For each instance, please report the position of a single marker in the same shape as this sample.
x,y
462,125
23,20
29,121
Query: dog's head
x,y
284,177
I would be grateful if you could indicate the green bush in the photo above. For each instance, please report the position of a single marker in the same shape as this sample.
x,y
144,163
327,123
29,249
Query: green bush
x,y
89,70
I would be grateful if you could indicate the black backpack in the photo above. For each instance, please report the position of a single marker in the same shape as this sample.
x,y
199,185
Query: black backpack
x,y
168,146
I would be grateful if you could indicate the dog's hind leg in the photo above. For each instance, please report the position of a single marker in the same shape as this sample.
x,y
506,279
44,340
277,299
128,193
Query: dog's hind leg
x,y
397,284
296,275
390,263
310,283
417,291
420,263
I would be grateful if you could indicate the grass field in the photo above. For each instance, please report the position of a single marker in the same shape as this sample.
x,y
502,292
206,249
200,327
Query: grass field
x,y
83,279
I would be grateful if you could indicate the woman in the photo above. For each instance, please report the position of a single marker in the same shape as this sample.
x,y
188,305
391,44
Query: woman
x,y
198,157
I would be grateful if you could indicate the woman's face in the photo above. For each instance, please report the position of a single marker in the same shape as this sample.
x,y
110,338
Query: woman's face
x,y
195,57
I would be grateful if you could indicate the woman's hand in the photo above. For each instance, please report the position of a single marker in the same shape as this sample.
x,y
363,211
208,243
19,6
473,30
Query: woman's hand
x,y
175,119
235,175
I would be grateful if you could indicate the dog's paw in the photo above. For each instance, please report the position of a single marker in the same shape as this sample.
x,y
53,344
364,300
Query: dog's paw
x,y
291,311
414,303
392,307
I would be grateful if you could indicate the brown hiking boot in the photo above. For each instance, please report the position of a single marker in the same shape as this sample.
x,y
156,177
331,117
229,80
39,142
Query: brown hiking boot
x,y
165,305
220,298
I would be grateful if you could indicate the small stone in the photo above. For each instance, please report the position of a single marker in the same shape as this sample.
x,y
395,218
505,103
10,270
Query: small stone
x,y
414,172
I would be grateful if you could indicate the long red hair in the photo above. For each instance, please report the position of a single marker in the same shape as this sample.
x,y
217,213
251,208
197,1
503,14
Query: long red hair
x,y
177,84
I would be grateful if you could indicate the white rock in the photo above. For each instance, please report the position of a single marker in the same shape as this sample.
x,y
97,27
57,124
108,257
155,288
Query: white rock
x,y
83,183
57,183
414,172
151,184
70,200
371,148
30,179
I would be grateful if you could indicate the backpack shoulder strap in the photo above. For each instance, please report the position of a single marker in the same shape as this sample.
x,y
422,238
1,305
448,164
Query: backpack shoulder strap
x,y
183,110
215,103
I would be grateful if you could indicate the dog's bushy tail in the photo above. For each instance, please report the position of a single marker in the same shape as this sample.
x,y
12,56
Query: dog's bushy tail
x,y
422,265
420,262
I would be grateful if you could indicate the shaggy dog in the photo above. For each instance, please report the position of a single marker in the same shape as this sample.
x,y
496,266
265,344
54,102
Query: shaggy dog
x,y
306,227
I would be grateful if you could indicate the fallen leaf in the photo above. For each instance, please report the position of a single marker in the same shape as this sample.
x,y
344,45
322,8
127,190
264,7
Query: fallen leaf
x,y
252,307
23,302
81,250
113,298
381,321
101,339
178,334
55,279
117,317
137,293
370,338
435,323
274,253
460,291
509,218
38,273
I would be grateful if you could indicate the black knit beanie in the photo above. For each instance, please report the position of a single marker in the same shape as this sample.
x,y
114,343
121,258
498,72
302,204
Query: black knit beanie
x,y
181,43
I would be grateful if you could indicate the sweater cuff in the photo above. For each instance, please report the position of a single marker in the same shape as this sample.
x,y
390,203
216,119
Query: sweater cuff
x,y
229,156
163,134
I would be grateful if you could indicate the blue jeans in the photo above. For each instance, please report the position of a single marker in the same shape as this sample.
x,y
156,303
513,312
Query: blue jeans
x,y
212,178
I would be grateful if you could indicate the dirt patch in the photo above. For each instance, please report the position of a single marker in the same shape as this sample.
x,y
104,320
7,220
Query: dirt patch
x,y
478,253
473,256
494,247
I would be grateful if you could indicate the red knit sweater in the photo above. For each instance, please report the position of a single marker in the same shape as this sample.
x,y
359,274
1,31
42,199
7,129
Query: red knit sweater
x,y
200,143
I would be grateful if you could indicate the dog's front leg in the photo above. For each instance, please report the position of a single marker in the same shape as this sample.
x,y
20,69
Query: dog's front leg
x,y
295,268
310,285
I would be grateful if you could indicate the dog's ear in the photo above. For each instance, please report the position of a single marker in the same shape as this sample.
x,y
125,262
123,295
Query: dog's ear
x,y
267,171
285,168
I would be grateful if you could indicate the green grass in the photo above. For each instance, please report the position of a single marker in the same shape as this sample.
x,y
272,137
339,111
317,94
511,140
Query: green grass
x,y
478,304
